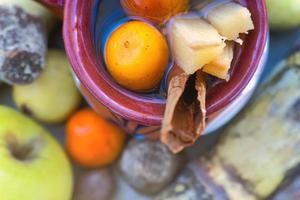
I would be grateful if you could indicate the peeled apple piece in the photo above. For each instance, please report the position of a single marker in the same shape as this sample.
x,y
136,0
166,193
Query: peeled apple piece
x,y
230,20
191,50
196,32
220,66
53,96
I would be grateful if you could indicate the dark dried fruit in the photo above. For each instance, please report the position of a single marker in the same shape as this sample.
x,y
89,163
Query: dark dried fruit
x,y
148,166
23,45
94,185
22,67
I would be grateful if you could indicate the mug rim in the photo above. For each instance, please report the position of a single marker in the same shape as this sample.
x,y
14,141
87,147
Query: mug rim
x,y
89,70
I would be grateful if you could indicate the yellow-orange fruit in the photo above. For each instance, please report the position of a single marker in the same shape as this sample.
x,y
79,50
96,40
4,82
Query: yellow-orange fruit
x,y
137,55
158,11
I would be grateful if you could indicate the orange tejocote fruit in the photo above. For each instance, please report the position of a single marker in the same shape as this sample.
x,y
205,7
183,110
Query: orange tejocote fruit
x,y
91,141
158,11
137,55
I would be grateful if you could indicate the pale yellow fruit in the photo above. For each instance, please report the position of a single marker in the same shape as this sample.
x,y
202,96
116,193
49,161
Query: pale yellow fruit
x,y
220,66
184,43
283,14
53,96
230,20
33,166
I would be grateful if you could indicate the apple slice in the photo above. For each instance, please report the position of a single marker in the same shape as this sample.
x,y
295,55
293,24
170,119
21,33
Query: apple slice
x,y
196,32
190,48
220,66
230,20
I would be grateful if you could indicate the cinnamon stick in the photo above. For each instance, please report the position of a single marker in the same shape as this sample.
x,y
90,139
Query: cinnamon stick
x,y
185,113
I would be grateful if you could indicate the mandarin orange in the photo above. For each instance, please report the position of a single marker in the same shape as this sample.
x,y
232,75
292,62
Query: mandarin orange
x,y
137,55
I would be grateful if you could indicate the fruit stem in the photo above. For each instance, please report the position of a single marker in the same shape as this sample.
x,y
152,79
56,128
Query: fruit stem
x,y
22,152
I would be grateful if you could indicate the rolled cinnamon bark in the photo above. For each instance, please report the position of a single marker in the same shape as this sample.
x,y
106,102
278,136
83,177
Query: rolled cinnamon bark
x,y
260,151
23,40
185,113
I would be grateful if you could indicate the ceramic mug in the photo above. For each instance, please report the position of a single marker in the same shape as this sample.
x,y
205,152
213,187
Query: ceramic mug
x,y
141,114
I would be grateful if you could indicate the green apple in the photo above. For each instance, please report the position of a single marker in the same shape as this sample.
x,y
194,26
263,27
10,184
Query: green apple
x,y
283,14
33,166
54,95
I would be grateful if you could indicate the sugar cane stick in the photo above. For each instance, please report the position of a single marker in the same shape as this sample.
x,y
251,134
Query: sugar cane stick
x,y
258,152
23,40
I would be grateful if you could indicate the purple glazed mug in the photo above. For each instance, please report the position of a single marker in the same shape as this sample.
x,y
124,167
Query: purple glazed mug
x,y
140,114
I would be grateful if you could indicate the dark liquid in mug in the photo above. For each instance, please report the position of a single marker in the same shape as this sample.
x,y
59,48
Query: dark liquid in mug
x,y
109,15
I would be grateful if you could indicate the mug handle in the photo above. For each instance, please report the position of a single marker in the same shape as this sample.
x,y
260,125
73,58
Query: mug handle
x,y
57,6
